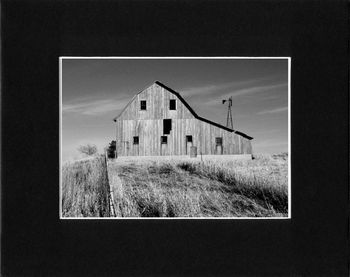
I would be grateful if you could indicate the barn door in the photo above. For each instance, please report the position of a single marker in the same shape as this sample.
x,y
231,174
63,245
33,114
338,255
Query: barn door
x,y
218,146
136,146
189,143
163,145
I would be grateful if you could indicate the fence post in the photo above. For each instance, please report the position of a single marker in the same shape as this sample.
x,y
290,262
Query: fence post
x,y
110,198
106,157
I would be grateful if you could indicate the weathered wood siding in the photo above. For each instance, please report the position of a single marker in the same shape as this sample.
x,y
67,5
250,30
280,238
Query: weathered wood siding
x,y
158,100
150,131
148,126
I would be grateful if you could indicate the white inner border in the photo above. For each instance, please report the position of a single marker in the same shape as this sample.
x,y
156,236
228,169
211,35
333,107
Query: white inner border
x,y
171,58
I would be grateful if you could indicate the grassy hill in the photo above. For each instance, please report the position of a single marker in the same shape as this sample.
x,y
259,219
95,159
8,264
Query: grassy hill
x,y
225,188
177,188
85,188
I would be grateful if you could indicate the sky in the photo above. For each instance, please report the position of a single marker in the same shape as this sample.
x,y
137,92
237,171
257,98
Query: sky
x,y
94,91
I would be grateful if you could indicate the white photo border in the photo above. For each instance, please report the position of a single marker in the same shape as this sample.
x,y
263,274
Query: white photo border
x,y
173,218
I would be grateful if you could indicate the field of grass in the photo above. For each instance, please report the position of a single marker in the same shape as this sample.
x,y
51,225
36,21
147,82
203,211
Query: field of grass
x,y
225,188
85,188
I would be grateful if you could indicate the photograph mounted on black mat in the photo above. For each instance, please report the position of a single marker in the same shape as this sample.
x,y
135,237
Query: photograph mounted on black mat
x,y
175,138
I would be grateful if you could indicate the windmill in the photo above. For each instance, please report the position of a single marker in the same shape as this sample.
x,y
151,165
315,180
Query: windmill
x,y
229,122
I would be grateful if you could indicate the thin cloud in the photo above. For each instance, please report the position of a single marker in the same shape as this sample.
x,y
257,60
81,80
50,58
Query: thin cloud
x,y
214,88
271,111
270,143
95,107
193,91
245,91
256,89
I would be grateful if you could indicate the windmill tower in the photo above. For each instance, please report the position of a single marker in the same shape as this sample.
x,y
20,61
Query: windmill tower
x,y
229,122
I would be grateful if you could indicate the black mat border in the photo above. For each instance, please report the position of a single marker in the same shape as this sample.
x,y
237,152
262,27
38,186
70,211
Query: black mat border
x,y
314,34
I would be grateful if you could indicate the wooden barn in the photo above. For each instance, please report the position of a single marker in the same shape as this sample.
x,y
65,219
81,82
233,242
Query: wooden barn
x,y
158,122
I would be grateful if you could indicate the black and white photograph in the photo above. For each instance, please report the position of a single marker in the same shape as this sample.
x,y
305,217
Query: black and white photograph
x,y
175,137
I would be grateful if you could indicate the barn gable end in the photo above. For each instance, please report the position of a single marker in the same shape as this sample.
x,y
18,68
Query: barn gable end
x,y
157,105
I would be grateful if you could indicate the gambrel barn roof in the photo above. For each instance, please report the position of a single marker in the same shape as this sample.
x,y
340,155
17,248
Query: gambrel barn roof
x,y
190,109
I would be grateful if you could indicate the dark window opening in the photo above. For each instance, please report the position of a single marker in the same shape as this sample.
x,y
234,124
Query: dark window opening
x,y
166,126
163,139
218,141
172,104
136,140
189,138
143,105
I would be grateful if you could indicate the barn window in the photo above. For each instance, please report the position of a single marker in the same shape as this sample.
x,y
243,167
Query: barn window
x,y
166,126
172,104
218,141
163,139
143,105
189,138
136,140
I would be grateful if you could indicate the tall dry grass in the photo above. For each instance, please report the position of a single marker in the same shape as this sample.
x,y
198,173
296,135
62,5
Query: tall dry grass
x,y
85,189
227,188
